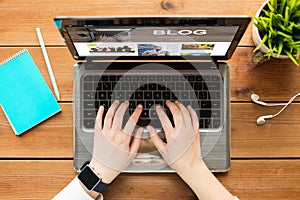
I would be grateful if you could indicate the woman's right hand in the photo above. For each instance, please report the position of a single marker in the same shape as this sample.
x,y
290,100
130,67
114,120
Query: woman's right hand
x,y
182,150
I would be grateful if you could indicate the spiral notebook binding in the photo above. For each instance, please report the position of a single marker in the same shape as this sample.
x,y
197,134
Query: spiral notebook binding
x,y
12,58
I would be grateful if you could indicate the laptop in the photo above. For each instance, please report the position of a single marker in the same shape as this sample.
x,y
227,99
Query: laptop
x,y
148,60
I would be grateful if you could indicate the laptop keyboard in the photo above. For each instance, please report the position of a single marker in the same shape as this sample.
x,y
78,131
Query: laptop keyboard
x,y
203,93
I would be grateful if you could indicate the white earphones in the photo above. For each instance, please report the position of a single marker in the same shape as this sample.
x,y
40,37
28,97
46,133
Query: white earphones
x,y
261,120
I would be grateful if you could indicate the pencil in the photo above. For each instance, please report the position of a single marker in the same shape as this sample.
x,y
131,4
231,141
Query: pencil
x,y
50,71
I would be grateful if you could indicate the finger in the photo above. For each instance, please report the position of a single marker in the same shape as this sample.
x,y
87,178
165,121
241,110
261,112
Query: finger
x,y
185,113
100,116
130,125
119,115
164,120
110,115
136,143
177,115
159,144
195,119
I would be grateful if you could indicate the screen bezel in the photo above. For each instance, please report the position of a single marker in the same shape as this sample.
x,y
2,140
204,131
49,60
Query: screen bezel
x,y
240,21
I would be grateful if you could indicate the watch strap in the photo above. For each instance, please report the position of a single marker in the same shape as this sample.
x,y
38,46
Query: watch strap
x,y
100,187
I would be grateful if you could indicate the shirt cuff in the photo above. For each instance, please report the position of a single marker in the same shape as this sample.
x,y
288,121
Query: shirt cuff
x,y
74,191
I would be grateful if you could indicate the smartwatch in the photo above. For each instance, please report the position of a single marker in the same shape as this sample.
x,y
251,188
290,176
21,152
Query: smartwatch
x,y
91,180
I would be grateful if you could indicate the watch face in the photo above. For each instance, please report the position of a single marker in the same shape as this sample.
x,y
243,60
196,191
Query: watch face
x,y
88,178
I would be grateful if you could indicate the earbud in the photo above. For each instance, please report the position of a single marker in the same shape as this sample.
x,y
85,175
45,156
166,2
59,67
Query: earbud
x,y
262,119
255,99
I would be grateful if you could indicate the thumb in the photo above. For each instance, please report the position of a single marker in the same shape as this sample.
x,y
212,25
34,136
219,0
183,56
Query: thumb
x,y
159,144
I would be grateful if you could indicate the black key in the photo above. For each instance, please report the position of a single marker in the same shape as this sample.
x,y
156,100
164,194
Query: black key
x,y
88,86
205,113
104,78
89,104
106,86
202,95
207,123
99,86
89,114
148,95
205,104
197,86
173,96
143,122
140,103
161,87
198,78
166,95
109,95
89,123
145,114
139,95
152,86
104,103
149,104
101,95
112,78
191,78
132,104
157,95
89,95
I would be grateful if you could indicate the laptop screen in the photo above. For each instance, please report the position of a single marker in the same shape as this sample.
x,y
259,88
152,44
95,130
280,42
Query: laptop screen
x,y
150,38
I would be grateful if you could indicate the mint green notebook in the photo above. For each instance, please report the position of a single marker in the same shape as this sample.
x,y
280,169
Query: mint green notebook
x,y
25,97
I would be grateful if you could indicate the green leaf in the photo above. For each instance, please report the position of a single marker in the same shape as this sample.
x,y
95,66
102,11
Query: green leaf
x,y
292,58
261,43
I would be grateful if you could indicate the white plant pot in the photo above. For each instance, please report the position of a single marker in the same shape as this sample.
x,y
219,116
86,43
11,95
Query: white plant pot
x,y
257,39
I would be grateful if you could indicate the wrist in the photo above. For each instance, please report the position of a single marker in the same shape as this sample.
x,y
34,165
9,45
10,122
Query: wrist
x,y
187,172
107,174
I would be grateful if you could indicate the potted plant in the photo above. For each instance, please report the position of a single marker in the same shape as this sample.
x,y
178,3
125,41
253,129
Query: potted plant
x,y
276,30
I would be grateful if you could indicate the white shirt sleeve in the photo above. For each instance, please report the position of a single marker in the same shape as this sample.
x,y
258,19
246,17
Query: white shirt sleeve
x,y
74,191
